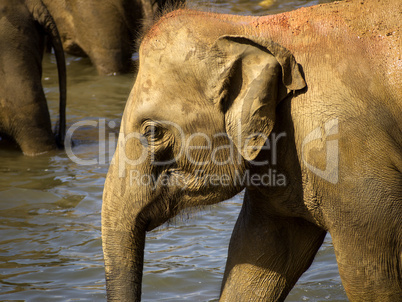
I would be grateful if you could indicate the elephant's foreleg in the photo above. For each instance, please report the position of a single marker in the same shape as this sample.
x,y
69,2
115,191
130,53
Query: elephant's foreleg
x,y
366,231
267,255
370,263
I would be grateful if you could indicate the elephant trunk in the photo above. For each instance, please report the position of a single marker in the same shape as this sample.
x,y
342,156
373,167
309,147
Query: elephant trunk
x,y
123,238
43,17
124,255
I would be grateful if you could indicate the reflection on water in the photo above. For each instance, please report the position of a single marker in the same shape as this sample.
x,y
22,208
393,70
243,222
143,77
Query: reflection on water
x,y
50,246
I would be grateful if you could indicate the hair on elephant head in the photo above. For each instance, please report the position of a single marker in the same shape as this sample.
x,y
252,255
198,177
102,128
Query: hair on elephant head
x,y
24,115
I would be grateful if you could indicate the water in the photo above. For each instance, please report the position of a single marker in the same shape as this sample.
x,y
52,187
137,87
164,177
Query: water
x,y
50,240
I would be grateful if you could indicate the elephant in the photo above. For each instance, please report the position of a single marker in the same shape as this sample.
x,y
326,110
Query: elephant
x,y
24,114
301,109
104,31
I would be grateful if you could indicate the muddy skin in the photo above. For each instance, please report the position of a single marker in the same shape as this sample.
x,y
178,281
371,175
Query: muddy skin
x,y
212,90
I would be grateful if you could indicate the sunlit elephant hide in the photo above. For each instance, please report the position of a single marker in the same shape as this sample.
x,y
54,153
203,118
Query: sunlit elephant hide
x,y
312,97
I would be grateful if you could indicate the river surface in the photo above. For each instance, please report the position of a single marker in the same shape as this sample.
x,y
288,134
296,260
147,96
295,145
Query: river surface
x,y
50,207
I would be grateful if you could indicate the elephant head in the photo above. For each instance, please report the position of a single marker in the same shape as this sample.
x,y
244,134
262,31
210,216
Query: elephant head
x,y
24,114
201,109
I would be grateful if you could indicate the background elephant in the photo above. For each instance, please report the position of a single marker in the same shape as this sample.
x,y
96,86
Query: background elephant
x,y
24,115
105,31
239,101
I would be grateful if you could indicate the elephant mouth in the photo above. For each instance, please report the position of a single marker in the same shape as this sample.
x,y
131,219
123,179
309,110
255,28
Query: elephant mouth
x,y
174,191
160,210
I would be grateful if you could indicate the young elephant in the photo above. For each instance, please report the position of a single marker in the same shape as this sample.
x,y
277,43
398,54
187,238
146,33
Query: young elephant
x,y
221,103
104,30
24,115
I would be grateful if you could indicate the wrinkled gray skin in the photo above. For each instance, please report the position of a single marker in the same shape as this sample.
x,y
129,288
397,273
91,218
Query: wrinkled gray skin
x,y
103,30
210,84
24,115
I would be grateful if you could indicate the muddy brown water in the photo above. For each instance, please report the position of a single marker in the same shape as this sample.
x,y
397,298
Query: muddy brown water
x,y
50,206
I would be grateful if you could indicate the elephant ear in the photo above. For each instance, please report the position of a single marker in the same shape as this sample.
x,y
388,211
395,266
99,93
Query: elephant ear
x,y
254,77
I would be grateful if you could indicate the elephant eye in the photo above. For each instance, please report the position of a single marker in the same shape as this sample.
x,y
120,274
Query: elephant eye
x,y
152,131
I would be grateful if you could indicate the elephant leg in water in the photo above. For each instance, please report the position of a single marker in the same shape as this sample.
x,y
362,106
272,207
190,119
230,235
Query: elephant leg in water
x,y
24,115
